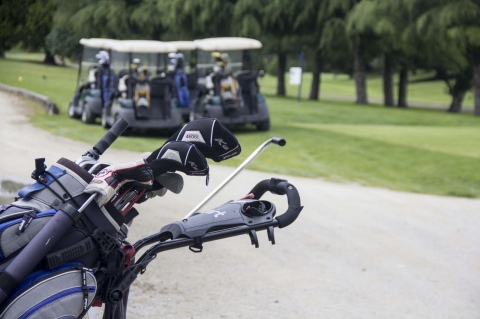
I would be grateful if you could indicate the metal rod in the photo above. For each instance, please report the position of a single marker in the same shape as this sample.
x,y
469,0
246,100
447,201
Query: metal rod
x,y
88,201
274,140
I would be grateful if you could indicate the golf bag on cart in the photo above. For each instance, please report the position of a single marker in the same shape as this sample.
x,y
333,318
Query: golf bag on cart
x,y
63,241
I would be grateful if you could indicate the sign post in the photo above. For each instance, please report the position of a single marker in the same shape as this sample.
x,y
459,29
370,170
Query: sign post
x,y
296,75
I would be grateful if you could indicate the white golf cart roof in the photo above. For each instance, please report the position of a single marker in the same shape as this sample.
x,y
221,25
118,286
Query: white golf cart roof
x,y
98,43
184,45
227,44
143,46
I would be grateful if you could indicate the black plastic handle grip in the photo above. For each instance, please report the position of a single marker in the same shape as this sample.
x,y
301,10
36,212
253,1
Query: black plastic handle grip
x,y
113,133
281,187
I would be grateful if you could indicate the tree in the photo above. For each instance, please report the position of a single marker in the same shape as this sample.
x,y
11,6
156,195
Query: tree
x,y
12,21
96,19
323,38
193,19
462,20
62,42
359,43
28,26
450,31
390,21
278,27
149,19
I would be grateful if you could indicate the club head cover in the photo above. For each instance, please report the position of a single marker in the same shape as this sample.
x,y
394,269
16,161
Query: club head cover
x,y
211,137
178,156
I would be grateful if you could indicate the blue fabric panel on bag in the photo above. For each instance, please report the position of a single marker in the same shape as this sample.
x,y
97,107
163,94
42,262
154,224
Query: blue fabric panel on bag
x,y
34,276
5,225
55,171
51,299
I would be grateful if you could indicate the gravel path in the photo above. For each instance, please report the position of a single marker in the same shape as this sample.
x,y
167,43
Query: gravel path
x,y
355,252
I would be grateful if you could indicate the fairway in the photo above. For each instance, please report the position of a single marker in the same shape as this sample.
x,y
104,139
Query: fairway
x,y
448,140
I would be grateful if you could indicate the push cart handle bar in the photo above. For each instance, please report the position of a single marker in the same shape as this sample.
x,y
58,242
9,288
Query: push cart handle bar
x,y
281,187
276,186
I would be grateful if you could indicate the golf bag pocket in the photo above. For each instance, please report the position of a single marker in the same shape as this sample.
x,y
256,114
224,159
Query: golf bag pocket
x,y
18,226
63,292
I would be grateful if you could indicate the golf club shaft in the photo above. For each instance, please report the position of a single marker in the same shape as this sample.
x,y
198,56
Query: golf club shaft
x,y
274,140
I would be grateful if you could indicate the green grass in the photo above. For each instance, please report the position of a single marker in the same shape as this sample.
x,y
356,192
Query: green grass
x,y
414,150
431,92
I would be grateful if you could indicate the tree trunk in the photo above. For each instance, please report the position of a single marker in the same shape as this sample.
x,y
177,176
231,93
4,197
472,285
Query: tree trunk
x,y
2,54
463,83
282,68
402,87
316,77
360,75
49,58
476,82
388,80
457,100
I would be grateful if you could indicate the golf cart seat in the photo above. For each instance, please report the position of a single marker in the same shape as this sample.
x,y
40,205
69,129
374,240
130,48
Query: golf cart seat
x,y
249,89
161,88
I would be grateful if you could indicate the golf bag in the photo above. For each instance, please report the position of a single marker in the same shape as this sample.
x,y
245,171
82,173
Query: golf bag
x,y
181,85
230,94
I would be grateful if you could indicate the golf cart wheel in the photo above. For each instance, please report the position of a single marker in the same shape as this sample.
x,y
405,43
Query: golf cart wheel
x,y
87,116
71,111
264,125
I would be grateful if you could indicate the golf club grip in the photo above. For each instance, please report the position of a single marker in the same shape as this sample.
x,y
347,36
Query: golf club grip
x,y
281,187
113,133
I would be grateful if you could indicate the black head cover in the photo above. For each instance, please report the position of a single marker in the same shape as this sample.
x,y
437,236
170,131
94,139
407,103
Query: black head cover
x,y
211,137
178,156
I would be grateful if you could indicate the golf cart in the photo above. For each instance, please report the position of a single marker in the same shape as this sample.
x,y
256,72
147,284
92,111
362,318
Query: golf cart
x,y
182,68
87,101
228,85
145,96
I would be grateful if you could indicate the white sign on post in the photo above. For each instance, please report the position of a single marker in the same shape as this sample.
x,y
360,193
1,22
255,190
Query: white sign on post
x,y
295,76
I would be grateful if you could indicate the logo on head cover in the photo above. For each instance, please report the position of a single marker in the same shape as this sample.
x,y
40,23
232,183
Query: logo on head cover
x,y
222,143
193,136
193,165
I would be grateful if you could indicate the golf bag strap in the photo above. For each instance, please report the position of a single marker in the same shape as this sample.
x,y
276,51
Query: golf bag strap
x,y
80,171
79,249
7,282
71,211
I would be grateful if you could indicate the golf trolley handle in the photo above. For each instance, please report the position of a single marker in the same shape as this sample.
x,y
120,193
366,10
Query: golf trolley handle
x,y
113,133
280,187
276,186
